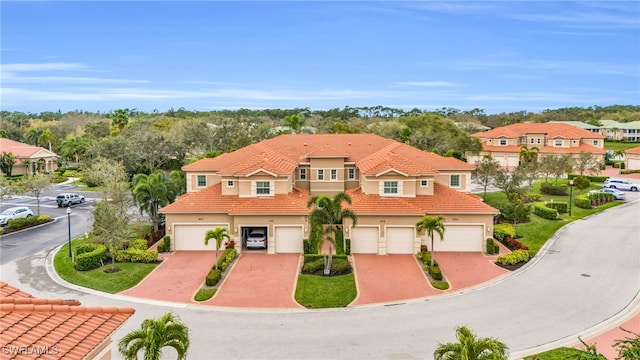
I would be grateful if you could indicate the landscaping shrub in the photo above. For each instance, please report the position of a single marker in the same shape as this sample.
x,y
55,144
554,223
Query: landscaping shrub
x,y
425,257
582,202
435,272
139,244
137,255
440,285
581,182
23,223
230,245
313,257
313,266
545,212
500,231
339,236
492,247
340,266
213,277
560,206
85,247
204,294
515,212
347,246
165,246
306,247
630,172
227,258
549,189
513,258
514,244
92,259
531,197
591,178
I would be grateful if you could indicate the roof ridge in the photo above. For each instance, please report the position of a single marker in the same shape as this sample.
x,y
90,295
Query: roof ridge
x,y
10,307
38,301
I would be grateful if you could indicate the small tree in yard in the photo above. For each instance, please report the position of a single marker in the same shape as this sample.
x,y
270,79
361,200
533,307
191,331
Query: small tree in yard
x,y
153,335
219,234
586,161
430,225
581,182
471,347
36,186
484,172
510,183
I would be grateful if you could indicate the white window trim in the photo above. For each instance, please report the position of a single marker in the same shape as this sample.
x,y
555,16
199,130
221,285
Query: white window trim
x,y
254,188
556,142
198,181
539,141
318,176
303,171
333,172
351,174
506,142
424,183
399,188
231,183
451,181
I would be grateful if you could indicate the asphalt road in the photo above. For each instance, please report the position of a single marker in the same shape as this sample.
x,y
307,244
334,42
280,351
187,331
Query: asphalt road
x,y
587,274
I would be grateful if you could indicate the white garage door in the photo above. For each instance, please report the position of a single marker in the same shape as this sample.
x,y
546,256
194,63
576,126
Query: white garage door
x,y
400,240
459,238
634,164
191,237
512,161
288,239
364,240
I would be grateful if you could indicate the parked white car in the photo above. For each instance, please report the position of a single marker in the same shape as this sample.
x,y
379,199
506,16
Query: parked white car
x,y
617,194
14,213
621,184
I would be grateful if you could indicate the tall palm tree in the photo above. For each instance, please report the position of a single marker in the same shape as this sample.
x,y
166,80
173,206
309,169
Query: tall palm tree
x,y
430,225
151,192
153,335
48,138
7,160
329,211
219,234
294,122
75,147
528,155
120,119
33,136
470,347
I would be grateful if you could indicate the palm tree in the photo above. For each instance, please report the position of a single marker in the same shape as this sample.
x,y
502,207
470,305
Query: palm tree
x,y
151,192
75,147
179,181
120,119
294,122
470,347
33,136
328,211
219,234
430,224
47,137
153,335
528,155
7,160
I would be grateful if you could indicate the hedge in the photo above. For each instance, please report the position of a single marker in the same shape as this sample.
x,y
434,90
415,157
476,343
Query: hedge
x,y
136,255
513,258
140,244
547,188
85,247
582,202
165,245
213,277
23,223
312,266
227,258
596,179
492,247
313,257
435,272
425,257
629,172
340,267
560,206
500,231
545,212
91,259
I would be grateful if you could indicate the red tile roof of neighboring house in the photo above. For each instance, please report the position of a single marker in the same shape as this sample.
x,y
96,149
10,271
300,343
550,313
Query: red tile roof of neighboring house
x,y
444,201
635,150
546,149
18,149
553,130
371,153
62,329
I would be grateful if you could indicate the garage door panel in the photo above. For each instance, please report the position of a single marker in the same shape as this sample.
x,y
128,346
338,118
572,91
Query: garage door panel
x,y
634,164
289,239
364,240
400,240
191,237
460,238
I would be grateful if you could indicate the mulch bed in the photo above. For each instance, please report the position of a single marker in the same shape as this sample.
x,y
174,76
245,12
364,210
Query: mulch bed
x,y
512,267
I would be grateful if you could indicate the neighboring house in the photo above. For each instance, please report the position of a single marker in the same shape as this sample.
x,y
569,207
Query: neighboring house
x,y
29,159
632,158
503,143
267,185
55,328
583,125
625,131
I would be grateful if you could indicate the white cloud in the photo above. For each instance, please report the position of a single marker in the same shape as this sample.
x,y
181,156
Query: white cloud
x,y
429,83
42,67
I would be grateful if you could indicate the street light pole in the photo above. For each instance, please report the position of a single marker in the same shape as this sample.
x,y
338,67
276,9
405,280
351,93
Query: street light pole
x,y
69,225
570,195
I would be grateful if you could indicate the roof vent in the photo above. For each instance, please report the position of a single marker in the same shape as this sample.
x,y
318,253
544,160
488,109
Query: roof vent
x,y
305,144
349,144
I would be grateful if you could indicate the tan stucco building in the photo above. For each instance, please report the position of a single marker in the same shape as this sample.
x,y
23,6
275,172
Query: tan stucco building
x,y
29,159
632,158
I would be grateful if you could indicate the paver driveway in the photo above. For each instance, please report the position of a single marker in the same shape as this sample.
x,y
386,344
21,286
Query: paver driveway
x,y
177,279
260,281
389,278
465,269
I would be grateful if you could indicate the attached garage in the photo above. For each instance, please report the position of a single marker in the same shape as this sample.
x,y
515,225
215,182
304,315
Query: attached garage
x,y
364,240
288,239
460,238
401,240
633,163
513,161
191,237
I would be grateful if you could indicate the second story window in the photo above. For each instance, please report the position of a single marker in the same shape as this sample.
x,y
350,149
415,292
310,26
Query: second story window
x,y
334,174
202,181
390,187
595,142
229,183
351,173
532,140
538,141
454,181
303,174
558,143
503,142
424,183
320,174
263,188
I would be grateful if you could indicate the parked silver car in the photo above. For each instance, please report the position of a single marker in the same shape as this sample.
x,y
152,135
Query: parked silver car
x,y
67,199
621,184
617,194
14,213
257,239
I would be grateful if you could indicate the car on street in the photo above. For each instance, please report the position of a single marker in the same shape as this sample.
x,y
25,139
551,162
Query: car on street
x,y
617,194
621,184
14,213
67,199
257,239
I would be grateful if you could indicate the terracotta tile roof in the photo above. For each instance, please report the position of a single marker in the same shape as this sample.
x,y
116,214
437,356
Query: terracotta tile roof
x,y
18,149
553,130
211,200
280,155
546,149
635,150
444,201
61,328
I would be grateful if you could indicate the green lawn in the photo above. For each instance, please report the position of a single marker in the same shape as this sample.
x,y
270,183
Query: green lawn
x,y
613,146
97,279
558,354
317,292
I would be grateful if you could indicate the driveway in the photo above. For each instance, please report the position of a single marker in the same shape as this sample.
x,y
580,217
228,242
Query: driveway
x,y
466,269
389,278
260,281
177,279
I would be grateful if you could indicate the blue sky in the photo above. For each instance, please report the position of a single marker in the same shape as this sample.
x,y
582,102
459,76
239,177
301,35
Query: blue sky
x,y
499,56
